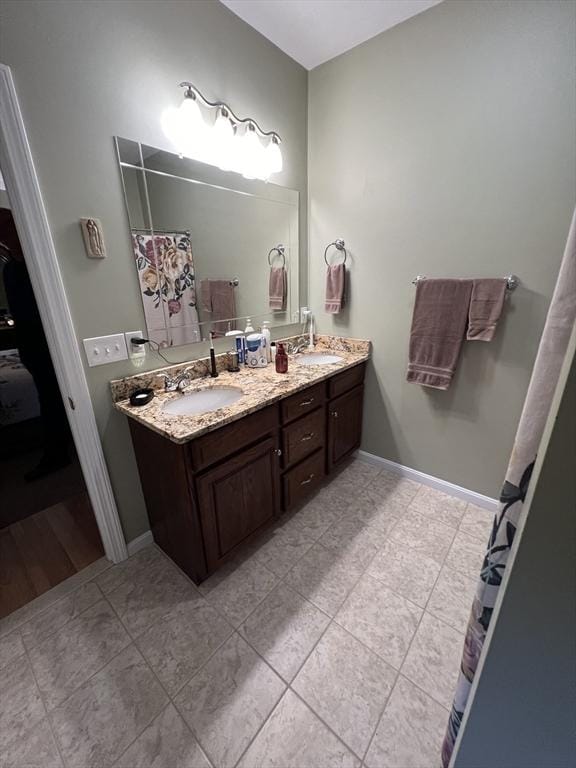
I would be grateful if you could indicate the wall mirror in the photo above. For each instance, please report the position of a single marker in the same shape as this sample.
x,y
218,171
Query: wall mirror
x,y
210,247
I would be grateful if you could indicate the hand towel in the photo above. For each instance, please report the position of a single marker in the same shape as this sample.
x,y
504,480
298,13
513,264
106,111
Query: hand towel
x,y
438,329
485,308
218,299
277,289
335,283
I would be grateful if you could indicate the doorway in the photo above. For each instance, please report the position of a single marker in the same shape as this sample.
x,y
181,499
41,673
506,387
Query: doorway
x,y
48,531
34,233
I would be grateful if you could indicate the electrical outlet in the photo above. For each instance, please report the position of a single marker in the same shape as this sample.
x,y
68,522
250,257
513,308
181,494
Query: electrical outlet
x,y
133,350
105,349
136,353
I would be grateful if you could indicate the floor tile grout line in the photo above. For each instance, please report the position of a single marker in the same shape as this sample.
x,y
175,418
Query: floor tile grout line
x,y
289,684
37,614
371,651
154,675
193,731
66,623
103,599
169,703
301,666
423,611
134,640
46,712
171,698
50,712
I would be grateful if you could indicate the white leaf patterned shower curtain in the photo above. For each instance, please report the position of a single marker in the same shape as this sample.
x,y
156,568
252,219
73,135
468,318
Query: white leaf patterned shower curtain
x,y
553,345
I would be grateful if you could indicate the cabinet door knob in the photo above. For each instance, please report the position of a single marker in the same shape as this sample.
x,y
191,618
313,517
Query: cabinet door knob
x,y
334,414
278,451
307,402
309,436
309,480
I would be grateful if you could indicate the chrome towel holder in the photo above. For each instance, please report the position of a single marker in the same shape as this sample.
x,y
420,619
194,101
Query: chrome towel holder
x,y
280,251
339,245
512,281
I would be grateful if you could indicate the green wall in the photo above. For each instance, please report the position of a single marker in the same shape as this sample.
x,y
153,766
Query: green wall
x,y
87,71
445,147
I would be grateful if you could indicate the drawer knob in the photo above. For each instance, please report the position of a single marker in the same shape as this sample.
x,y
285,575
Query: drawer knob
x,y
334,414
309,436
278,451
309,480
307,402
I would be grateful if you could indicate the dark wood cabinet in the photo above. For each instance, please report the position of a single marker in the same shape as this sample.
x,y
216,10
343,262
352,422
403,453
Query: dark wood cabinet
x,y
344,425
238,497
208,497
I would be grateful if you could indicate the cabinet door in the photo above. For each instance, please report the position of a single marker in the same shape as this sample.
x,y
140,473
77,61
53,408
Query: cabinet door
x,y
237,497
344,425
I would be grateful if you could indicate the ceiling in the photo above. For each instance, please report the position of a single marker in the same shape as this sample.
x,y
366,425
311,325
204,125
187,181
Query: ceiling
x,y
314,31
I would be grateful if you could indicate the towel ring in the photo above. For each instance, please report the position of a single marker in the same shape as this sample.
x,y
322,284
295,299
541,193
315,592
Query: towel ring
x,y
280,251
339,244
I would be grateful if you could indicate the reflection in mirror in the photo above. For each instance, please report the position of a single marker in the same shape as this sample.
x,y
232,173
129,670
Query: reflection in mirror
x,y
210,247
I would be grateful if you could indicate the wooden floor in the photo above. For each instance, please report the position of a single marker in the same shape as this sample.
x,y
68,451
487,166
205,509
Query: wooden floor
x,y
44,549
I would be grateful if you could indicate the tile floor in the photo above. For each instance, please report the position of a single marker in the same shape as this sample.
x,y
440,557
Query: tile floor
x,y
335,640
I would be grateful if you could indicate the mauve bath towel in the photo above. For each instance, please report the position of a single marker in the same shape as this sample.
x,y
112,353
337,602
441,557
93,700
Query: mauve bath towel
x,y
485,308
438,329
335,285
277,289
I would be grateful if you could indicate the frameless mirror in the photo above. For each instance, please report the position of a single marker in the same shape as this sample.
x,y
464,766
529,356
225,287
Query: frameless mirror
x,y
210,247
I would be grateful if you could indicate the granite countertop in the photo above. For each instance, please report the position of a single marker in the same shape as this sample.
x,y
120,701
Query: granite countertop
x,y
261,386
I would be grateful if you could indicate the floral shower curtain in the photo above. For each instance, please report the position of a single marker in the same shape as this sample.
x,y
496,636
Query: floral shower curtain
x,y
165,267
551,352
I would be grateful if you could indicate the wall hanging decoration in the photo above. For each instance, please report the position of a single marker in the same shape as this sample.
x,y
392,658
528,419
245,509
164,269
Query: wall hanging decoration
x,y
214,134
93,238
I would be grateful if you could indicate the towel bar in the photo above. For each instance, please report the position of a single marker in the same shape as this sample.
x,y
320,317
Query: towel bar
x,y
512,281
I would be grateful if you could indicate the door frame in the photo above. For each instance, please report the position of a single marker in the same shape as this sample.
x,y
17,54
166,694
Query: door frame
x,y
33,229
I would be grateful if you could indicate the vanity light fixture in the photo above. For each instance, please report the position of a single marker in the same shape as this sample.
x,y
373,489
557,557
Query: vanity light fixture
x,y
230,142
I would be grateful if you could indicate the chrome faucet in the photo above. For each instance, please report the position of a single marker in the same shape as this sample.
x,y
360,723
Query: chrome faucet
x,y
295,347
176,383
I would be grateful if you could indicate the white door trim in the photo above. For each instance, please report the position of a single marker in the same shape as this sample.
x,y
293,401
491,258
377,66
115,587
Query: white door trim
x,y
32,222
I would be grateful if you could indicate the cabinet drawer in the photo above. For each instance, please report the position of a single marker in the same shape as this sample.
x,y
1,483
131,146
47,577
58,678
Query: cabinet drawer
x,y
302,402
303,479
303,437
347,380
225,441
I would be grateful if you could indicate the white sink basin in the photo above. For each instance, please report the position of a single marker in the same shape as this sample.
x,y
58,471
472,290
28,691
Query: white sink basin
x,y
202,401
318,358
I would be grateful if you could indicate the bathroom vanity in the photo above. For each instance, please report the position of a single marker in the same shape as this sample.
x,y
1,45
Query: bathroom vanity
x,y
213,480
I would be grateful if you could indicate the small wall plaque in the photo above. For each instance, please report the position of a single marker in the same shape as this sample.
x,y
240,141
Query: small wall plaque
x,y
93,238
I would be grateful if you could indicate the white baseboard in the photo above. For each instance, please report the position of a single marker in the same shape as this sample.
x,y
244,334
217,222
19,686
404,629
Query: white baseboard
x,y
433,482
144,540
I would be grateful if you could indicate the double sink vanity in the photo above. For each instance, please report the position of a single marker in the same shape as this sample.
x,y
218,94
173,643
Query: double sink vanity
x,y
222,459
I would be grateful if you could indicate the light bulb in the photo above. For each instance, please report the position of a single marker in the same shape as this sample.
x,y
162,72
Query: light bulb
x,y
273,156
187,130
252,159
223,142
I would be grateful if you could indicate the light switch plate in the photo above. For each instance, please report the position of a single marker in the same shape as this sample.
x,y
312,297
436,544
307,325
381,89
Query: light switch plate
x,y
105,349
